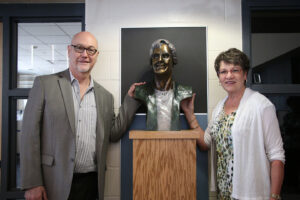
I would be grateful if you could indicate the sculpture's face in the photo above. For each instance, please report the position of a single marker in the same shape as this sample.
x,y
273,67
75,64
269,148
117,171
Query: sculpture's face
x,y
162,62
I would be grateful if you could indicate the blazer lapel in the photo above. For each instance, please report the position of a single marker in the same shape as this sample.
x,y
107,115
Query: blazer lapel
x,y
66,91
99,98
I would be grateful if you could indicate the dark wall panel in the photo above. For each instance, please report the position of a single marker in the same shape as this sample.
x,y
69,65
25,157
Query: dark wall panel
x,y
190,43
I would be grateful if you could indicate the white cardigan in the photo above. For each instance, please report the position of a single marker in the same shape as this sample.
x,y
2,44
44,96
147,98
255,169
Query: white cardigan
x,y
256,142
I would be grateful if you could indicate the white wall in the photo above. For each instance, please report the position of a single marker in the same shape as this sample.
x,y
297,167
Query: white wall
x,y
105,18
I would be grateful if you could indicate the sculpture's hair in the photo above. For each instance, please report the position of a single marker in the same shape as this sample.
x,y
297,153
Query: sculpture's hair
x,y
158,43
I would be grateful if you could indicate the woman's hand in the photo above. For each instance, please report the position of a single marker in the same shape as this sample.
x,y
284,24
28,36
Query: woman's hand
x,y
187,105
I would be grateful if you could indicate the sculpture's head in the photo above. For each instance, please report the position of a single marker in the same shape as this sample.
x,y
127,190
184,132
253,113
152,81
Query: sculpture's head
x,y
162,57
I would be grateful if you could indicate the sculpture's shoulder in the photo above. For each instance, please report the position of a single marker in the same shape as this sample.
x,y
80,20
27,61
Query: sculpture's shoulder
x,y
183,91
143,91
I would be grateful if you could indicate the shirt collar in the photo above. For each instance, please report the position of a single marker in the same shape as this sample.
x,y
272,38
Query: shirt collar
x,y
74,79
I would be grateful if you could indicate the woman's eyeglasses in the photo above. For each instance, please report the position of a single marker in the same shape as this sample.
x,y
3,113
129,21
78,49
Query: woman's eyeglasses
x,y
233,71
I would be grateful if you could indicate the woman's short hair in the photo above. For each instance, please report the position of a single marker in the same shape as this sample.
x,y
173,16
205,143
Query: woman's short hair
x,y
158,43
235,57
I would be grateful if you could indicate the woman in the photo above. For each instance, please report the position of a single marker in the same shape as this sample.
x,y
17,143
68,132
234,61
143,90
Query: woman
x,y
245,133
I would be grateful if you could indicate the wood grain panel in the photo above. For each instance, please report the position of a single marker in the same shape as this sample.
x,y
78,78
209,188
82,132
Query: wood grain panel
x,y
185,134
164,169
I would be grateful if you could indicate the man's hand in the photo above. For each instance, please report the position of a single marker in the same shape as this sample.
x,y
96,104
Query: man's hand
x,y
36,193
132,88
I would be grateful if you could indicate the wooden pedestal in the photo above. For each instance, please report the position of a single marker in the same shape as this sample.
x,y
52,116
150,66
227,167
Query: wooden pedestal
x,y
164,165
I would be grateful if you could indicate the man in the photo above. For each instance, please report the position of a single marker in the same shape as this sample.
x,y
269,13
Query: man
x,y
163,96
68,123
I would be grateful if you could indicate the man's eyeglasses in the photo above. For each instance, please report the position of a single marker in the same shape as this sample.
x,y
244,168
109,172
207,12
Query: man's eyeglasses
x,y
80,49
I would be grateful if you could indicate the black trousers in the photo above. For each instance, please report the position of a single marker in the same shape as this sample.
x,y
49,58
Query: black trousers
x,y
84,186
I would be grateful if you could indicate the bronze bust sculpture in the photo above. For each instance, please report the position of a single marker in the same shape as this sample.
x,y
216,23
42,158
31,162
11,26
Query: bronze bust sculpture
x,y
163,96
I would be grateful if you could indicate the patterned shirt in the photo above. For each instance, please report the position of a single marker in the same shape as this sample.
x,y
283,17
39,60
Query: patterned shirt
x,y
85,124
221,133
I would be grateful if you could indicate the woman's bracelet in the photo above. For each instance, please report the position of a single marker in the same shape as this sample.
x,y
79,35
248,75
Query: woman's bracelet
x,y
196,127
275,196
191,122
194,118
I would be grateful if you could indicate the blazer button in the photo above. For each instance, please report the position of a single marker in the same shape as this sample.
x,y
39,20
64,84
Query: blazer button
x,y
72,159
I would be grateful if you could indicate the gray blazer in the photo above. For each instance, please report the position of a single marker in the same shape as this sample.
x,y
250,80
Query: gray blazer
x,y
48,134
